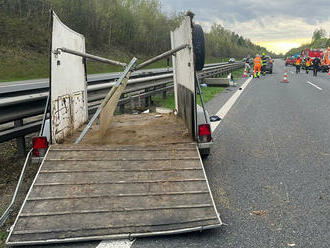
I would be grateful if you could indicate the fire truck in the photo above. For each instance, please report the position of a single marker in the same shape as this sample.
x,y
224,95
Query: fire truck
x,y
325,61
312,53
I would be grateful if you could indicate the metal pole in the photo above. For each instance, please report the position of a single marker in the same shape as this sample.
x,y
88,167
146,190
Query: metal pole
x,y
8,210
45,116
161,56
90,56
125,74
201,97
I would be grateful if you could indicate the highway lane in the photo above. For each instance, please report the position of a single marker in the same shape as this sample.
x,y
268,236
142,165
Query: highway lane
x,y
271,154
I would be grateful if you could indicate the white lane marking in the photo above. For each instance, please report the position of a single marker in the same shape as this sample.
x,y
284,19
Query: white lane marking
x,y
121,243
225,108
317,87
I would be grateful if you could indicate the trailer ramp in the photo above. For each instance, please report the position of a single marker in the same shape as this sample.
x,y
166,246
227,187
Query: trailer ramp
x,y
89,192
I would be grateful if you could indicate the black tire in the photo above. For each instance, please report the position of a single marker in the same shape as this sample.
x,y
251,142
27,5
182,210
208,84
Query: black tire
x,y
205,152
199,47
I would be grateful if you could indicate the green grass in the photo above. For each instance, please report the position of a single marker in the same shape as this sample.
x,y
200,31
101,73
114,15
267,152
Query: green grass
x,y
207,92
16,65
3,236
238,73
168,102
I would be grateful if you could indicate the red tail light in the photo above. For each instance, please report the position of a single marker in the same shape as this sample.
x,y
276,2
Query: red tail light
x,y
204,133
40,146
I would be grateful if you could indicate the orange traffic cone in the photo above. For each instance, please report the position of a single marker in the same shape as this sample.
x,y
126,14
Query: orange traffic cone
x,y
285,79
245,73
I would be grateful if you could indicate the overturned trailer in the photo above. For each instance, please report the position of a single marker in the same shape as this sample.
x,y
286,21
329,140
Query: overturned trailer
x,y
93,184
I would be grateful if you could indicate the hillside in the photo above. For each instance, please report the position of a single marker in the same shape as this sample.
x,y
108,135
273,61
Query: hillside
x,y
113,28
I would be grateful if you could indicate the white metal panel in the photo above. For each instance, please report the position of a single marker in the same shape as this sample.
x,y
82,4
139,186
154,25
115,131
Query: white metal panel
x,y
183,61
68,82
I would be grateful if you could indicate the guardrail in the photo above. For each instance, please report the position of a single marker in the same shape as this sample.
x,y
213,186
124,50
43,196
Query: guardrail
x,y
29,104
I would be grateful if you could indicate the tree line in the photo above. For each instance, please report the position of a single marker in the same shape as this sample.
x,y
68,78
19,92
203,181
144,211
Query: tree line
x,y
135,26
320,40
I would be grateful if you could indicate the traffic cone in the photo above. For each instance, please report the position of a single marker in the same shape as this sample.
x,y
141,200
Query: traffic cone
x,y
245,73
285,79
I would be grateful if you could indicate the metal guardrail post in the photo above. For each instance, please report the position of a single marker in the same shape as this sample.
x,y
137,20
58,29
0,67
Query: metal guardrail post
x,y
122,106
148,98
164,92
20,142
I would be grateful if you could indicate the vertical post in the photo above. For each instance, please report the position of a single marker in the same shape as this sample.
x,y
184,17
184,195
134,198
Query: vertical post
x,y
131,101
147,99
164,92
122,106
168,63
20,142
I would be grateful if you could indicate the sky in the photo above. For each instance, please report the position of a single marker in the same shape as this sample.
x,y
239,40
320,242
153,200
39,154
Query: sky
x,y
278,25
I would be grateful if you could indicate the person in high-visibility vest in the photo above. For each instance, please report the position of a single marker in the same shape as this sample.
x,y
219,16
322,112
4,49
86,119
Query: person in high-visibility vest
x,y
257,66
298,63
316,65
308,64
263,63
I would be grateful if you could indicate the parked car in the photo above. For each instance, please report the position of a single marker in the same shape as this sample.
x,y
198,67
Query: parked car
x,y
232,60
289,61
269,65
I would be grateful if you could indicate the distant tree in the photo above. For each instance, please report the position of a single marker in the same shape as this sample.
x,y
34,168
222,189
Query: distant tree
x,y
319,34
133,26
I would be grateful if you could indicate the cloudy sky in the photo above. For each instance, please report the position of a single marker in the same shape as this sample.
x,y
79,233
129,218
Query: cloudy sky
x,y
278,25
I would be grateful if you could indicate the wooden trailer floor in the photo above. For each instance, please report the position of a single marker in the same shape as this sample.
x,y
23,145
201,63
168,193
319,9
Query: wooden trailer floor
x,y
92,192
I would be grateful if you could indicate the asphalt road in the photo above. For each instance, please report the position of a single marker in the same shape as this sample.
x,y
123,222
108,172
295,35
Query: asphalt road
x,y
272,155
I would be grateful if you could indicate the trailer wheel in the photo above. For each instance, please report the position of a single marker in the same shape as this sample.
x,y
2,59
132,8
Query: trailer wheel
x,y
199,47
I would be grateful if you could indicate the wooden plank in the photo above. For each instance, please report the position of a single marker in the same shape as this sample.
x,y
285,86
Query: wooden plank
x,y
119,165
110,202
103,177
83,147
106,116
112,232
103,189
95,220
121,155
